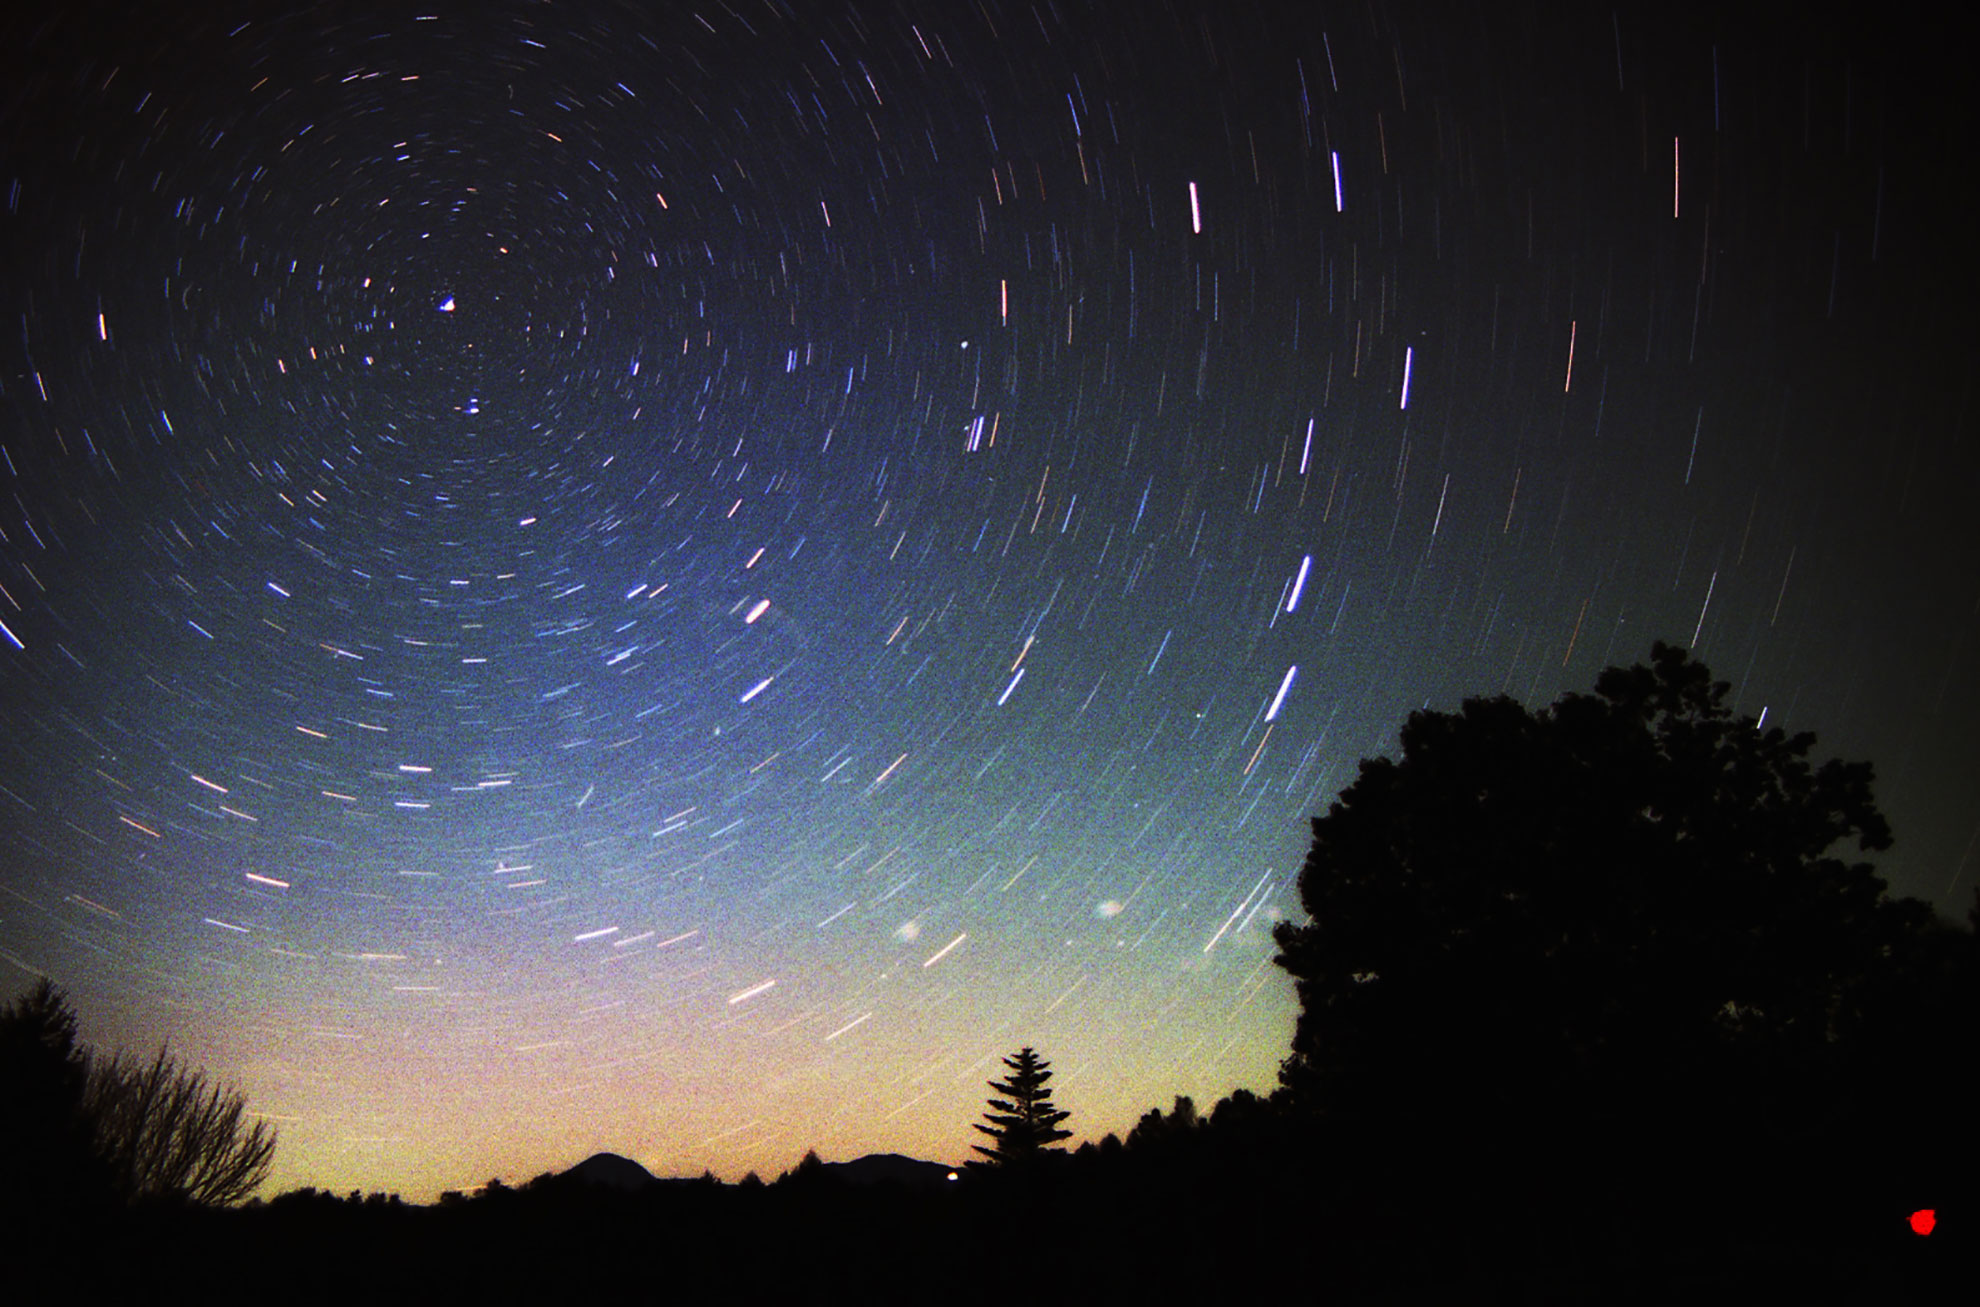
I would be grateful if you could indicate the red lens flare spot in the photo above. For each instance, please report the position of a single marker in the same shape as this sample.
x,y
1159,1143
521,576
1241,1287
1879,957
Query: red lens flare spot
x,y
1923,1220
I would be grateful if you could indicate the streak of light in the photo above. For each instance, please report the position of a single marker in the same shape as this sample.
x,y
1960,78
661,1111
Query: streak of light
x,y
226,925
676,939
12,639
1305,566
1280,698
600,933
1338,208
1783,592
141,826
1704,608
848,1026
1569,383
757,689
260,879
93,906
881,779
1195,212
761,607
201,780
1066,994
753,1121
1576,635
1015,678
1237,912
945,950
1258,752
1409,358
1020,874
750,993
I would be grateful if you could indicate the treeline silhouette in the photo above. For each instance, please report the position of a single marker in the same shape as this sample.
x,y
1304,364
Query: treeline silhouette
x,y
1594,1007
1250,1198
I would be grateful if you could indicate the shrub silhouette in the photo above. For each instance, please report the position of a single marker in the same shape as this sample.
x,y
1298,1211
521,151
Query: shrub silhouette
x,y
168,1135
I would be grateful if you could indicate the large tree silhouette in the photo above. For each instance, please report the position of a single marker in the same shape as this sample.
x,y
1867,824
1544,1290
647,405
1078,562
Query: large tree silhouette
x,y
50,1166
79,1130
1023,1123
1621,903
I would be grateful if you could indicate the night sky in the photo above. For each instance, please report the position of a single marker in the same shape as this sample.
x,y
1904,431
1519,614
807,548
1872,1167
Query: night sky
x,y
682,578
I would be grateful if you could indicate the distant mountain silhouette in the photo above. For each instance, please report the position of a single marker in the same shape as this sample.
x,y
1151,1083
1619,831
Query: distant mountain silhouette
x,y
610,1171
881,1168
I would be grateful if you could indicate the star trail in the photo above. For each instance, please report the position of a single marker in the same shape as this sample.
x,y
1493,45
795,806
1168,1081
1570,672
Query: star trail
x,y
682,579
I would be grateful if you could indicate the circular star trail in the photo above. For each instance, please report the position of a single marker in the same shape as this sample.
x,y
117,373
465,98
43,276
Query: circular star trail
x,y
682,580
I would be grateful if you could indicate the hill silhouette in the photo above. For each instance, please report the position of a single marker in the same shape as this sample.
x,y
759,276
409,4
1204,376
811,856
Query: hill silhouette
x,y
611,1171
891,1168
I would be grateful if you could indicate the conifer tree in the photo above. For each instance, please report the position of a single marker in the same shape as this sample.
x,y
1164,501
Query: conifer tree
x,y
1022,1122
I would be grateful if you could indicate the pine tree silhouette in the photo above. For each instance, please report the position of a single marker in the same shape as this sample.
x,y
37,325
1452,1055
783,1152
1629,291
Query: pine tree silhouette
x,y
1023,1122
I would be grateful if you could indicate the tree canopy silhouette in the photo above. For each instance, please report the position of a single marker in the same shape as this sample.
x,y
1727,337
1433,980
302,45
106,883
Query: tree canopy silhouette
x,y
77,1128
166,1134
1023,1123
45,1136
1623,895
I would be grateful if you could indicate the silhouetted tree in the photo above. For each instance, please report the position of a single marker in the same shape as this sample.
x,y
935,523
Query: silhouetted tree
x,y
809,1173
167,1135
45,1138
1023,1123
77,1128
1614,899
1154,1130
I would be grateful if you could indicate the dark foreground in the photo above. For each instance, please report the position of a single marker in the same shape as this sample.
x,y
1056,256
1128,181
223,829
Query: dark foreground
x,y
1193,1219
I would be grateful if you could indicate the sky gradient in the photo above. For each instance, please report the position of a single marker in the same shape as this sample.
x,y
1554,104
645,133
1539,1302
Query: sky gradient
x,y
681,582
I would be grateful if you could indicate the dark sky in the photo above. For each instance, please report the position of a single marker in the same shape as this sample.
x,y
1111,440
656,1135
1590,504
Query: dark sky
x,y
682,578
